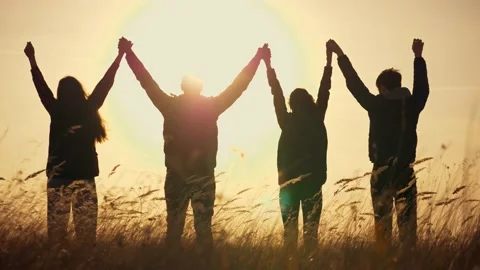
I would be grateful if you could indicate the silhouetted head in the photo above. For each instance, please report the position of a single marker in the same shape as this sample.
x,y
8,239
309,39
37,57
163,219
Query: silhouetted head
x,y
301,100
192,85
74,108
70,92
388,80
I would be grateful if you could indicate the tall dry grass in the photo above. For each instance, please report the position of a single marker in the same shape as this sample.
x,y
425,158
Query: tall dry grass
x,y
246,227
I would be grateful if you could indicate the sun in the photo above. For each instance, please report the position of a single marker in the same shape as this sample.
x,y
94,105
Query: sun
x,y
212,40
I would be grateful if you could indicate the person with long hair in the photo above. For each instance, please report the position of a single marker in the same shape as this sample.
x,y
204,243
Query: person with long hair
x,y
301,155
75,127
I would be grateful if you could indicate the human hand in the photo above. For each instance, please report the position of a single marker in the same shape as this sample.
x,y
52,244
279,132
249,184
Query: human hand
x,y
329,52
124,45
262,51
29,50
335,47
267,57
417,47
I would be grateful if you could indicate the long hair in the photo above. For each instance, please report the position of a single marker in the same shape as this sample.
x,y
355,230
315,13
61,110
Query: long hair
x,y
74,107
301,100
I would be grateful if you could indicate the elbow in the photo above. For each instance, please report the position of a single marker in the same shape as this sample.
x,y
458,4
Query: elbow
x,y
144,84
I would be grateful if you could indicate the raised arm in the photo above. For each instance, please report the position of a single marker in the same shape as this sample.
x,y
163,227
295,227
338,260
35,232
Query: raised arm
x,y
44,92
354,84
325,85
159,98
277,92
105,84
239,84
421,88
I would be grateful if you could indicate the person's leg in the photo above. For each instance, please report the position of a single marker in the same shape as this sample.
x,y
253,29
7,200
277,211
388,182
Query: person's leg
x,y
289,207
382,200
312,210
406,207
59,197
203,200
177,198
85,211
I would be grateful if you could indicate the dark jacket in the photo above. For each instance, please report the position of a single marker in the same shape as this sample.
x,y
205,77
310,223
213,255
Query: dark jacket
x,y
302,147
190,129
71,150
393,122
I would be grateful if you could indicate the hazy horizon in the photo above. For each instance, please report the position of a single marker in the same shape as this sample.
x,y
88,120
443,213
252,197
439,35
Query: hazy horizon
x,y
214,40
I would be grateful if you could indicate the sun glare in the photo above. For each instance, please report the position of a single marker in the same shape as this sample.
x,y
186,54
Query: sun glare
x,y
212,40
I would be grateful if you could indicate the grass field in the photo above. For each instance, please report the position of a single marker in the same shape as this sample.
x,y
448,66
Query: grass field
x,y
247,233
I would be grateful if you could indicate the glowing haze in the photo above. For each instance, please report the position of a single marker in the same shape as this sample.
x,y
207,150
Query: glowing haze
x,y
214,40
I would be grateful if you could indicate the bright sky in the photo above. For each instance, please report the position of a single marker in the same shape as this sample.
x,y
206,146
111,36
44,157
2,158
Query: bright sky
x,y
214,40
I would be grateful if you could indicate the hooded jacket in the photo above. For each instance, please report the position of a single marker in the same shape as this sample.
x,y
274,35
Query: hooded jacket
x,y
393,115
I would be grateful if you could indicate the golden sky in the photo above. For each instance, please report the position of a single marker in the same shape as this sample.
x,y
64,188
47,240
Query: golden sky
x,y
214,40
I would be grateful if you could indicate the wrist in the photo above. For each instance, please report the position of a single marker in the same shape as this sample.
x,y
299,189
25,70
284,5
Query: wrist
x,y
33,63
128,51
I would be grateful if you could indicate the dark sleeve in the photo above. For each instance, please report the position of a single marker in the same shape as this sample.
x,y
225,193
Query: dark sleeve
x,y
44,92
159,98
236,88
100,92
278,98
324,91
421,88
354,83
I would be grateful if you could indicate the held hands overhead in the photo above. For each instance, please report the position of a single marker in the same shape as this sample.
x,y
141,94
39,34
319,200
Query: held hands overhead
x,y
268,57
266,53
329,53
417,47
263,53
29,50
124,45
334,47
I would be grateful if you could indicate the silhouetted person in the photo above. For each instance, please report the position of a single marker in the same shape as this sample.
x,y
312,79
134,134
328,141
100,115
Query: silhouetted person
x,y
190,135
393,117
301,155
75,127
